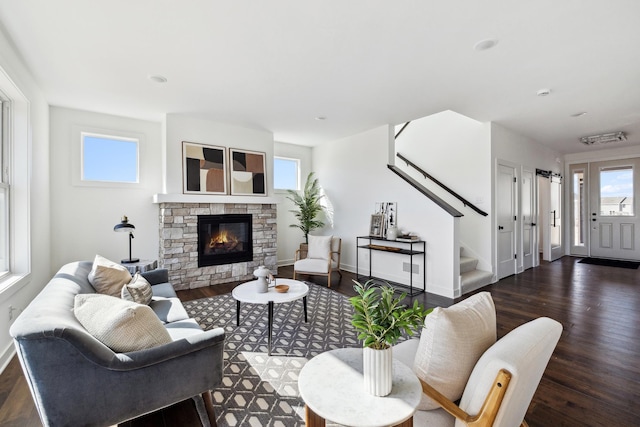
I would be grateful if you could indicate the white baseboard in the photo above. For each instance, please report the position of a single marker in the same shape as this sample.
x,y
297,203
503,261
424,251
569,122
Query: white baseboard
x,y
6,356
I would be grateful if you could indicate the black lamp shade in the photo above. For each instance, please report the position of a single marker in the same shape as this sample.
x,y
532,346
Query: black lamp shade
x,y
124,225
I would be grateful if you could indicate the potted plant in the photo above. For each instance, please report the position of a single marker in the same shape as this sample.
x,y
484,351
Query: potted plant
x,y
308,204
380,319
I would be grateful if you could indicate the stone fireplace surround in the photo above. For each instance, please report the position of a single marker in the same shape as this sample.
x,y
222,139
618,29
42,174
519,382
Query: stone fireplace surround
x,y
179,241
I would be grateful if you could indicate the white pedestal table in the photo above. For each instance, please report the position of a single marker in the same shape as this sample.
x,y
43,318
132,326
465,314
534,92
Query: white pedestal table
x,y
247,292
332,387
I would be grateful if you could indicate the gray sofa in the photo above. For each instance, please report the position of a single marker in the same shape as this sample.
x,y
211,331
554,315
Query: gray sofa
x,y
76,380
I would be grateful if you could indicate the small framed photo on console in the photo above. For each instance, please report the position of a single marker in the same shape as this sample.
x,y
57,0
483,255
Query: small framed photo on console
x,y
376,225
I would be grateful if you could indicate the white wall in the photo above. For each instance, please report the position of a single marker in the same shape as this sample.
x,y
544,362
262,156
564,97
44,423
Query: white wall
x,y
289,238
353,171
456,150
33,161
185,128
83,217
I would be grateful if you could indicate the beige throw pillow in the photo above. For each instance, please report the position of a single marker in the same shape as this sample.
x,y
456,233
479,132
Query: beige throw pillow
x,y
108,277
121,325
319,247
138,290
452,341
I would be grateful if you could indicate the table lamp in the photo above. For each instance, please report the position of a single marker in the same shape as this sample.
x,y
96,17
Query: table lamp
x,y
125,226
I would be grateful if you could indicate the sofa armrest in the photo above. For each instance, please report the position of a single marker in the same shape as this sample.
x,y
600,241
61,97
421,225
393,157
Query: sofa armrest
x,y
154,277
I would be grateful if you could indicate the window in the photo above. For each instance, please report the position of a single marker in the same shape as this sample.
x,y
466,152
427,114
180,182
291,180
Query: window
x,y
109,158
286,173
579,210
4,189
15,195
616,191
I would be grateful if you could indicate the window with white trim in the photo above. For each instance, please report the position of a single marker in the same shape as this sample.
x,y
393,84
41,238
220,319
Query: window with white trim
x,y
286,173
106,158
4,188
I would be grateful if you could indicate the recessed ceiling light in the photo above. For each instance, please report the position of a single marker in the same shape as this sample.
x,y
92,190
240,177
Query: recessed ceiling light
x,y
321,118
485,44
543,92
158,78
580,114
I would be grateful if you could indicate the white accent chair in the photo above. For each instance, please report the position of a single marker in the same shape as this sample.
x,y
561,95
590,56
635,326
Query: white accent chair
x,y
502,383
321,258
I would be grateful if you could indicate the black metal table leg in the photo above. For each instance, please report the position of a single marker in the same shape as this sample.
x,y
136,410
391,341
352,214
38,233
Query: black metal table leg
x,y
270,327
304,304
238,313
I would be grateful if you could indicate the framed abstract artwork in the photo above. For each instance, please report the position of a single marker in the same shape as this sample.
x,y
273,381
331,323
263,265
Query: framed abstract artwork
x,y
247,172
204,169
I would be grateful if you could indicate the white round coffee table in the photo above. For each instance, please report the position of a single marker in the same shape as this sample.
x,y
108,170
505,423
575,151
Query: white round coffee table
x,y
247,292
332,387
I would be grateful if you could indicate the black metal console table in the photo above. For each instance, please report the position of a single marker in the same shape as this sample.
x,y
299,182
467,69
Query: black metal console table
x,y
403,248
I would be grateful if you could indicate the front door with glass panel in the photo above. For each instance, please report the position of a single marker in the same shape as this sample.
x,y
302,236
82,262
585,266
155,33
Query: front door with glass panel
x,y
613,217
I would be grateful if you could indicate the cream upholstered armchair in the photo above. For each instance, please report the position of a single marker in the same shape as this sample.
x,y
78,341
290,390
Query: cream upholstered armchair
x,y
502,382
321,258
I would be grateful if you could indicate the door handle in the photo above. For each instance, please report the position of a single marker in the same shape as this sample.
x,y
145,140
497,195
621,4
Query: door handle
x,y
500,227
533,224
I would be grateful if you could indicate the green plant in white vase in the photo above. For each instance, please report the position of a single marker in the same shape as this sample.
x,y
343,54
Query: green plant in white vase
x,y
380,318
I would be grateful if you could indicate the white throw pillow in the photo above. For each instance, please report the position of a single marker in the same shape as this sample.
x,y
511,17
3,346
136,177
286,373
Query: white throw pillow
x,y
138,290
108,277
121,325
452,341
319,247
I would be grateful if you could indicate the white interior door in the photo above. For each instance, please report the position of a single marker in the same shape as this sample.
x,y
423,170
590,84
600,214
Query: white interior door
x,y
555,218
529,234
506,219
614,229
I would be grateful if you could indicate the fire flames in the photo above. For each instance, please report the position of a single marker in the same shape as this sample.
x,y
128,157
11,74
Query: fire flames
x,y
223,240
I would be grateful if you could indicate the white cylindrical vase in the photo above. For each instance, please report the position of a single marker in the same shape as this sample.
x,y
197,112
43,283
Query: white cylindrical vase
x,y
377,370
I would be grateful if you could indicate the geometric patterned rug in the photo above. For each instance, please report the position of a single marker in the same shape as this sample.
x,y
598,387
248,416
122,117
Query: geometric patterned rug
x,y
259,390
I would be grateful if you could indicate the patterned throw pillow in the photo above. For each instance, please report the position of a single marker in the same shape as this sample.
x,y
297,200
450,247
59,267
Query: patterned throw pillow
x,y
108,277
121,325
138,290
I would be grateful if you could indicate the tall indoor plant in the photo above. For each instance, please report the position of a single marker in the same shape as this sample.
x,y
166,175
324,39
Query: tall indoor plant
x,y
380,318
308,204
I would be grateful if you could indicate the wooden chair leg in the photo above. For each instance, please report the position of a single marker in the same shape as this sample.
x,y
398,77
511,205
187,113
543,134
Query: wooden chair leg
x,y
312,419
208,404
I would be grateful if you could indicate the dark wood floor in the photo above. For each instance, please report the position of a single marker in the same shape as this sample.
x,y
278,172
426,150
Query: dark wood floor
x,y
593,378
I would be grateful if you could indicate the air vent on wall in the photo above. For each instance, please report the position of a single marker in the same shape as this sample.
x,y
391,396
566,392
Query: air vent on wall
x,y
605,138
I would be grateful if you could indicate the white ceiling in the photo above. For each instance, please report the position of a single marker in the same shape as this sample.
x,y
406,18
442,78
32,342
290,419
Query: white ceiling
x,y
279,64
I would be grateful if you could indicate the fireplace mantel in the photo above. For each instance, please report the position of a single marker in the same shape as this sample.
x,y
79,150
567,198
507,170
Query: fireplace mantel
x,y
208,198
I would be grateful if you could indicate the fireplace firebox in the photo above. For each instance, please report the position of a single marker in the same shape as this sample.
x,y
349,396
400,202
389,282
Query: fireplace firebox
x,y
224,239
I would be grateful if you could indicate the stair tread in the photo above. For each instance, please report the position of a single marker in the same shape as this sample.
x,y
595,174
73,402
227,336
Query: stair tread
x,y
476,273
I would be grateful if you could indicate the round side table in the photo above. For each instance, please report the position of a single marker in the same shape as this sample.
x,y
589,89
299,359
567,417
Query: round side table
x,y
332,386
247,292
